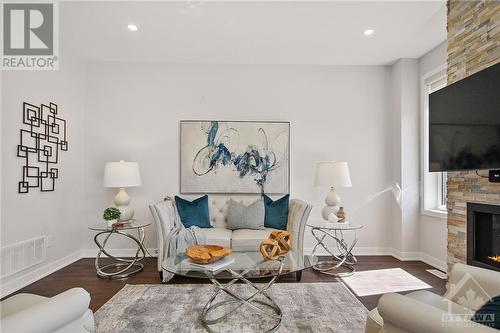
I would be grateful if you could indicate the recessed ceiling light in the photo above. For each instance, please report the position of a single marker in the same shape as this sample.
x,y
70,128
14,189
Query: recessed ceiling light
x,y
369,32
132,27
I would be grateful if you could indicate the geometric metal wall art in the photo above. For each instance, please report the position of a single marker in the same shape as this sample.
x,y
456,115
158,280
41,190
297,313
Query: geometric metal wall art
x,y
43,137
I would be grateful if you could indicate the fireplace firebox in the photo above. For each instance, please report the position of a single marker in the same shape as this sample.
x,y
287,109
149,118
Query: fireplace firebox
x,y
483,235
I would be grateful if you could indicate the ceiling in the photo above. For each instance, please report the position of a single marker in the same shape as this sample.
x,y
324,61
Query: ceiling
x,y
300,32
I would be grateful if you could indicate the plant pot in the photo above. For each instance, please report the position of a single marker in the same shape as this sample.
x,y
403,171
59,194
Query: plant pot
x,y
111,222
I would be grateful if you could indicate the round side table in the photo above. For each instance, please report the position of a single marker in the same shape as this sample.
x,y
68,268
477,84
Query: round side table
x,y
342,256
120,267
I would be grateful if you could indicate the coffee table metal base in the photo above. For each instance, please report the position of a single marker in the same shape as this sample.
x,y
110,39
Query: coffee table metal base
x,y
238,301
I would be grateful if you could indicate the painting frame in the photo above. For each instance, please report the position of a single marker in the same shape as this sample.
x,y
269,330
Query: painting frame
x,y
183,167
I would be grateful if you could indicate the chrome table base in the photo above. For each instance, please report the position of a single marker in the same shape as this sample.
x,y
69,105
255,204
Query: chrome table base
x,y
121,267
344,259
238,301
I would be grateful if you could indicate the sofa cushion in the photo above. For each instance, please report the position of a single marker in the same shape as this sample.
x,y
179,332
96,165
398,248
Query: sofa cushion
x,y
218,206
276,212
193,213
240,216
218,236
248,240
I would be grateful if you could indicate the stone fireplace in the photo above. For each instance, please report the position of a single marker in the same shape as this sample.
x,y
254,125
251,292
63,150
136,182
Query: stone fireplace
x,y
473,45
483,235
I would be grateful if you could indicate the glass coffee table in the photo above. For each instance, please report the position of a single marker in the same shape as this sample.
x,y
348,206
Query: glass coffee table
x,y
246,265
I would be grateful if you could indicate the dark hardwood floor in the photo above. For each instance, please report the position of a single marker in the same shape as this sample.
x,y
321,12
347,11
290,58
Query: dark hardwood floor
x,y
82,274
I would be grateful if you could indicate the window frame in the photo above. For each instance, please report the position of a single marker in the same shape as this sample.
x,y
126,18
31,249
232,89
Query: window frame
x,y
433,185
441,187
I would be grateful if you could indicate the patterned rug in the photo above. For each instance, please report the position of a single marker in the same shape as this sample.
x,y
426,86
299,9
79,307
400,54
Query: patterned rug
x,y
307,307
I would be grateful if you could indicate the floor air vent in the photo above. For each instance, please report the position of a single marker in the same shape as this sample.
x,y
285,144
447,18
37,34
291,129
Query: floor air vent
x,y
19,256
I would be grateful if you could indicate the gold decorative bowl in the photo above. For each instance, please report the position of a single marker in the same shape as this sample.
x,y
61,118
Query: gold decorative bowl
x,y
207,254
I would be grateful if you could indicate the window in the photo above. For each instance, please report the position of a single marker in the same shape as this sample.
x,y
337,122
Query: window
x,y
441,199
433,184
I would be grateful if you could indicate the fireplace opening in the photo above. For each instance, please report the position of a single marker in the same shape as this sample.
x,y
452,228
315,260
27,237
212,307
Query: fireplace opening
x,y
483,235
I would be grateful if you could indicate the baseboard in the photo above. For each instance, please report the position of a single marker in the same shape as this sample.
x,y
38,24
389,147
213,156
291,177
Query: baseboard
x,y
21,280
434,262
92,252
372,251
405,256
429,260
388,251
359,251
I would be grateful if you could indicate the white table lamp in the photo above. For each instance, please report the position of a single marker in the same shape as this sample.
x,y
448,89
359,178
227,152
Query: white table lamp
x,y
121,175
332,174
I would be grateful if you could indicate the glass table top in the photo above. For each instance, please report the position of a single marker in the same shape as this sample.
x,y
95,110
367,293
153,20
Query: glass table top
x,y
103,226
252,264
334,226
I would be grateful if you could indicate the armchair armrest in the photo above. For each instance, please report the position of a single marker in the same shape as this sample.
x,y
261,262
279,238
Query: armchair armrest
x,y
49,315
298,213
404,314
164,215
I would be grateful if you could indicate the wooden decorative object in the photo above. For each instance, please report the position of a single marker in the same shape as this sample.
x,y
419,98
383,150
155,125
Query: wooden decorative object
x,y
270,249
341,214
117,225
283,239
267,272
207,254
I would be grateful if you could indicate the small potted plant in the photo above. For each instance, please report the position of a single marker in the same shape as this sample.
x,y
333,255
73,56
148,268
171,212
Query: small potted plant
x,y
111,215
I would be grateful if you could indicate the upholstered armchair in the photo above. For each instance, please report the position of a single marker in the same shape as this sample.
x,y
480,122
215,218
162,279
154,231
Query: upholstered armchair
x,y
423,311
66,312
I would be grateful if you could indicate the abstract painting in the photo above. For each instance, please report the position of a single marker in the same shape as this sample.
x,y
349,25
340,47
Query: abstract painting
x,y
39,145
234,157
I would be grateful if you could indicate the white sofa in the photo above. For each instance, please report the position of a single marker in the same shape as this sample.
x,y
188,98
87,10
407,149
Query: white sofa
x,y
67,312
237,240
423,311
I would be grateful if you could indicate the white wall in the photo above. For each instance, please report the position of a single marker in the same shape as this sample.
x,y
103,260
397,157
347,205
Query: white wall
x,y
132,112
396,228
433,230
405,110
434,58
59,213
336,113
414,236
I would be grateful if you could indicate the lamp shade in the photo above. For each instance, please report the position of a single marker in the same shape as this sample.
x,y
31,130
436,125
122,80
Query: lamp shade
x,y
122,174
333,174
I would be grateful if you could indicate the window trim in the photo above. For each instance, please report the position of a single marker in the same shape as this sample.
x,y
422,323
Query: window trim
x,y
441,197
429,182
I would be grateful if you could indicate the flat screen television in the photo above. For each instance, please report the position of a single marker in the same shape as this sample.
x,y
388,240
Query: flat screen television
x,y
464,123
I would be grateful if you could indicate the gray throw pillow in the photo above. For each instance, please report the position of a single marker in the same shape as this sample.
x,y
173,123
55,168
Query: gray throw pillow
x,y
246,217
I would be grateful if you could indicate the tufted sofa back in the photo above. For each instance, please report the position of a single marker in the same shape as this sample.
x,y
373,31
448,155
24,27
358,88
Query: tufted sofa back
x,y
218,206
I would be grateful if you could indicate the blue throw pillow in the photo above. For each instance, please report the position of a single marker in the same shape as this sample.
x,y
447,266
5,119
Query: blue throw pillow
x,y
489,314
276,212
194,213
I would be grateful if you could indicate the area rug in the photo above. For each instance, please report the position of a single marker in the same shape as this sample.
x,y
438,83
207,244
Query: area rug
x,y
307,307
382,281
